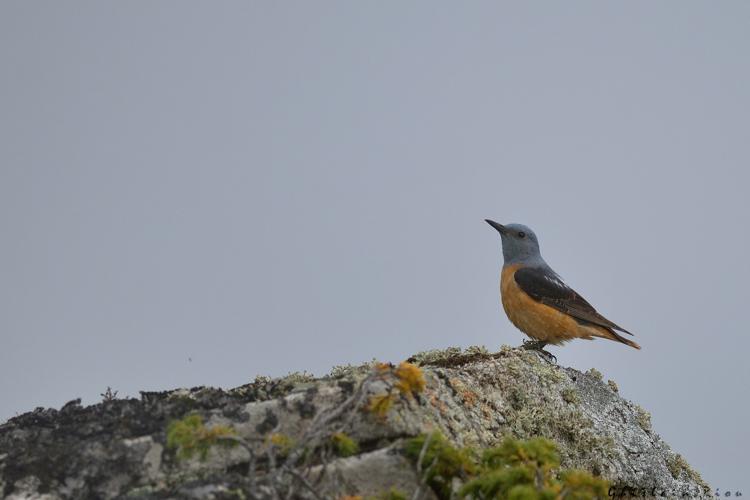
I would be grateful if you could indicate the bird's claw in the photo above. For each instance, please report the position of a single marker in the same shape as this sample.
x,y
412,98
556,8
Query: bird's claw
x,y
548,356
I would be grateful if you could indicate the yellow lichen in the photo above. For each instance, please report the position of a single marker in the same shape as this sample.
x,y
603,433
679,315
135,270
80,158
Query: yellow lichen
x,y
410,379
381,367
380,404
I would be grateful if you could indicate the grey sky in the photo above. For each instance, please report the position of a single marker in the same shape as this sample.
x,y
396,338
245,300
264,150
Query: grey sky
x,y
265,187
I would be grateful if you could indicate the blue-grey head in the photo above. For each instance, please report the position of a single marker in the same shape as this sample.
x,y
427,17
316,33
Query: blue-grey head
x,y
520,245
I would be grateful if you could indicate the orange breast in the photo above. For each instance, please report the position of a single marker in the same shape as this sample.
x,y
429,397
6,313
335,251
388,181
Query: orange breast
x,y
538,321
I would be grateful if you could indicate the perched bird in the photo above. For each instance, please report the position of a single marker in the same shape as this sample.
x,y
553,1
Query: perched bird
x,y
537,300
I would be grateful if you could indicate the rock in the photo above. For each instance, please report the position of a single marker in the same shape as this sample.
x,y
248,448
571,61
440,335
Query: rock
x,y
364,474
117,449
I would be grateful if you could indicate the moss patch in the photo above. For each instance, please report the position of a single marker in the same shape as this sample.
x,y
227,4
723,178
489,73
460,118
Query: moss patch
x,y
514,469
453,356
343,445
678,466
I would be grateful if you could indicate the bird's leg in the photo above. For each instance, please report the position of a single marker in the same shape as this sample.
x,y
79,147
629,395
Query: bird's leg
x,y
534,345
539,345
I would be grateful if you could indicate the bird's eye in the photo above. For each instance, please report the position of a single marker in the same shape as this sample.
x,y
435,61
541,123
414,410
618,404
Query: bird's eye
x,y
521,234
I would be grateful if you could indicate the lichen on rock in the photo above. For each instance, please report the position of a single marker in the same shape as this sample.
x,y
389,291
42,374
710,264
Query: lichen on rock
x,y
327,429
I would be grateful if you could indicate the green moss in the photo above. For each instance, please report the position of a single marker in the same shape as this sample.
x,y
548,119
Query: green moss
x,y
343,445
190,436
514,470
441,461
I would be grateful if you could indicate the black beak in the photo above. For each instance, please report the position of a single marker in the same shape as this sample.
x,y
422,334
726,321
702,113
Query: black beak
x,y
500,228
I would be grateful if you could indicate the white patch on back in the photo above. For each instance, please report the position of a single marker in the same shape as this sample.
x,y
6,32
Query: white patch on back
x,y
555,280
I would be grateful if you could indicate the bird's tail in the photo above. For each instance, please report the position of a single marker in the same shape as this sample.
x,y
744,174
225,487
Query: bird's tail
x,y
613,335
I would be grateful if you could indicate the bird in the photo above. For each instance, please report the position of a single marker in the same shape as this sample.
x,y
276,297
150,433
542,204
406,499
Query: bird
x,y
537,300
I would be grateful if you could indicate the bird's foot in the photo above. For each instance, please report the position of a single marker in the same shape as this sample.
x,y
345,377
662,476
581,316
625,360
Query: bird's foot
x,y
551,358
533,345
538,346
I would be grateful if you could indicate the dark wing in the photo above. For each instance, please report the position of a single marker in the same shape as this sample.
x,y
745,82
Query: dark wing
x,y
548,289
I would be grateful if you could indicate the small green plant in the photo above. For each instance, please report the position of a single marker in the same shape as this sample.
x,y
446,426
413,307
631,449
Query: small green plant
x,y
344,445
517,470
281,442
190,436
441,461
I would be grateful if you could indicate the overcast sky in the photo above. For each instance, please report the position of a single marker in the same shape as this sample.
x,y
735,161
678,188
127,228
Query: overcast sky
x,y
195,193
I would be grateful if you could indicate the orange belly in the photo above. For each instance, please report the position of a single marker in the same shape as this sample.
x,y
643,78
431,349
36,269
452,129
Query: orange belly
x,y
539,321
